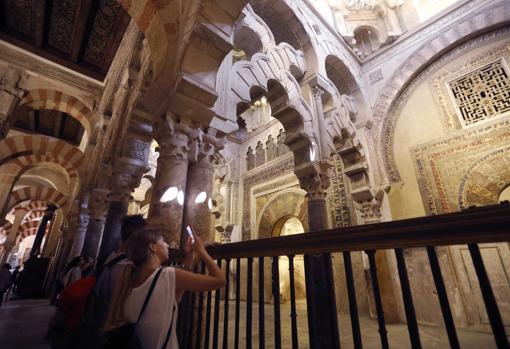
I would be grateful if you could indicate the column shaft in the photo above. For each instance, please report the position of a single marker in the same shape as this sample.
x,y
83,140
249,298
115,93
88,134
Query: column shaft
x,y
198,215
167,217
111,233
48,215
79,229
93,238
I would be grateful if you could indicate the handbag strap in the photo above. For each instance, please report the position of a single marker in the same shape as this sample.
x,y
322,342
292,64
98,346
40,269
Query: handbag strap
x,y
149,294
169,333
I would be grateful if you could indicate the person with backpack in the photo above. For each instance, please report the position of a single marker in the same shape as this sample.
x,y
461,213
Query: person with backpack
x,y
144,311
90,331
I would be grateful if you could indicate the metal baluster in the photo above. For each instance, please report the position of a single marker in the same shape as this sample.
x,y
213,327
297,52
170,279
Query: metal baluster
x,y
249,286
443,298
262,337
181,320
276,303
488,297
200,310
238,301
377,297
208,319
216,314
191,316
412,324
225,303
353,306
293,313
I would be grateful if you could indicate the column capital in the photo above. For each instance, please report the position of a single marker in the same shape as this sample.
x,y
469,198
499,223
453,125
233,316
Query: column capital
x,y
370,211
98,203
124,179
314,178
206,148
173,136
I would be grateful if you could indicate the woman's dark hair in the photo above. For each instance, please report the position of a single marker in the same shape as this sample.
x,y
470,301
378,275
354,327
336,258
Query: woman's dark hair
x,y
130,224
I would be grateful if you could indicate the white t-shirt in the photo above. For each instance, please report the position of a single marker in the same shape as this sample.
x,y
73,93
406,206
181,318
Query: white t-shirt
x,y
155,322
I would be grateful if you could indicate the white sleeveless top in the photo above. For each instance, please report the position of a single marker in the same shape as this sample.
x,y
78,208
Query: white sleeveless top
x,y
155,322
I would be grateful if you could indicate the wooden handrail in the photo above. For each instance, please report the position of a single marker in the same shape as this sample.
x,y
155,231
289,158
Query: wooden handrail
x,y
474,225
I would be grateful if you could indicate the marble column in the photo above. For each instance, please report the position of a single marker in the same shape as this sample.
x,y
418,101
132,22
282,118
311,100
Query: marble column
x,y
173,139
126,176
320,288
98,205
48,215
321,123
200,179
117,210
78,225
10,241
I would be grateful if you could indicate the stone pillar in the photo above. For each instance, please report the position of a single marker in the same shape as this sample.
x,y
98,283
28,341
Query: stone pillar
x,y
48,215
200,179
98,205
10,241
10,96
321,123
320,289
173,139
126,176
78,227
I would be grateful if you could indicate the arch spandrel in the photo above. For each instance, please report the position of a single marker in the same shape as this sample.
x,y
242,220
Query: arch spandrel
x,y
422,58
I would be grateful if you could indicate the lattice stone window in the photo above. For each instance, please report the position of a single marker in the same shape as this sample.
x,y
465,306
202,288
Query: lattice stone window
x,y
482,94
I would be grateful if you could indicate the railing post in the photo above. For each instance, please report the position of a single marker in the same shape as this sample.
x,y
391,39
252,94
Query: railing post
x,y
377,297
495,320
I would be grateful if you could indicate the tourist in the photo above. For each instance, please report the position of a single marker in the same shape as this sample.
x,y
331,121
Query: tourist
x,y
5,280
90,333
157,327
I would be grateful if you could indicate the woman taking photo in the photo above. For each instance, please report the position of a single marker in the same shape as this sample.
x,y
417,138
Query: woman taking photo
x,y
156,327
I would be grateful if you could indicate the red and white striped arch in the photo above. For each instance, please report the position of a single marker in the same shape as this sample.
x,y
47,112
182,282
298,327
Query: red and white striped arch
x,y
23,145
36,193
4,229
35,214
56,100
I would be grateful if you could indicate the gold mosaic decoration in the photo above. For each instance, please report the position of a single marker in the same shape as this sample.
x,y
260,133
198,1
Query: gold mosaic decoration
x,y
481,94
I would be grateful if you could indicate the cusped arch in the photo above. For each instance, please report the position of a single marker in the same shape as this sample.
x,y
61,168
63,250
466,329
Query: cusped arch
x,y
422,58
286,203
485,180
55,100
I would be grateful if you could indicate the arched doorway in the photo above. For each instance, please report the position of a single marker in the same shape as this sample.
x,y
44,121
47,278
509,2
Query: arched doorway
x,y
290,225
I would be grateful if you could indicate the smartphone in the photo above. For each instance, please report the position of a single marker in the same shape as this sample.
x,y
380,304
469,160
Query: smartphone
x,y
190,233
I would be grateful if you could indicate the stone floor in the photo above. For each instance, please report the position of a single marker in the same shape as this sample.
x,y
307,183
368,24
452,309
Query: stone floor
x,y
431,336
23,324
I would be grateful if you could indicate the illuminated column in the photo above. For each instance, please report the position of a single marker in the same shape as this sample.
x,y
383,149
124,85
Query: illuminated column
x,y
198,203
173,138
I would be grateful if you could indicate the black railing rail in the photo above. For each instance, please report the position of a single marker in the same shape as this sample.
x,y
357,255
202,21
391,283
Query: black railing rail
x,y
489,224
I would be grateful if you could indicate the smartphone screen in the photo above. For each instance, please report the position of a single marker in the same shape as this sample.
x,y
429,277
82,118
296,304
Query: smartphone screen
x,y
190,233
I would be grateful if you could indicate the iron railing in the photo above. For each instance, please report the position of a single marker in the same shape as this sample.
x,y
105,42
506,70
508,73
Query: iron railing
x,y
199,314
